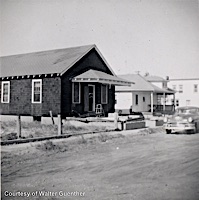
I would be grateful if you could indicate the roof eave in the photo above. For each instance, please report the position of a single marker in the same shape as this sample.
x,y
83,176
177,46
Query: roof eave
x,y
92,47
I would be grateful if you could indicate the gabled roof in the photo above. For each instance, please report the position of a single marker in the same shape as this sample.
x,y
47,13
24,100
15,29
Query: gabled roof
x,y
141,85
155,78
100,77
46,62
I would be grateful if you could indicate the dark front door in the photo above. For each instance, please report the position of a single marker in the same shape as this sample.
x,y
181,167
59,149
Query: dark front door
x,y
91,97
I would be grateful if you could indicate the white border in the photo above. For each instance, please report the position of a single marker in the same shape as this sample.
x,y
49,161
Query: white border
x,y
33,81
2,83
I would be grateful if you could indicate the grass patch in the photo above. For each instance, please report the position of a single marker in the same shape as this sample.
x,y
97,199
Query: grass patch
x,y
9,136
8,127
98,138
50,146
151,131
36,129
68,127
82,140
106,137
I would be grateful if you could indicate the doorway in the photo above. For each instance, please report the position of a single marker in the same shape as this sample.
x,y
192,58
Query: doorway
x,y
91,99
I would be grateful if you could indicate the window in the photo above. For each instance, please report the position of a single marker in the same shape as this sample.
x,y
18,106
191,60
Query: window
x,y
76,92
195,87
5,92
180,88
136,99
143,99
36,90
174,87
159,100
164,84
104,94
188,102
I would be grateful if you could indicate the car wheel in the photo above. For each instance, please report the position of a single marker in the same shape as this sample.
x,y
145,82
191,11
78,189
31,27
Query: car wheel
x,y
168,131
197,127
191,131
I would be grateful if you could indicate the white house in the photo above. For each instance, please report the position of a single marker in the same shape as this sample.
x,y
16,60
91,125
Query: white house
x,y
187,91
158,81
161,83
142,96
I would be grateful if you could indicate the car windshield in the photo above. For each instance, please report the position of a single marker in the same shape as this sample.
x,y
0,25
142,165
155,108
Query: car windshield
x,y
186,111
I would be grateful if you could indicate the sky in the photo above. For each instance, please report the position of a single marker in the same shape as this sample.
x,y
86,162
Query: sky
x,y
159,37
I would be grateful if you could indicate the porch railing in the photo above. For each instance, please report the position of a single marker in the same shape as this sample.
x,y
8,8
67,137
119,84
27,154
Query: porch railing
x,y
160,108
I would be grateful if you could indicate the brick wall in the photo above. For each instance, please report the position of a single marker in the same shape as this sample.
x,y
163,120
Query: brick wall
x,y
21,98
51,96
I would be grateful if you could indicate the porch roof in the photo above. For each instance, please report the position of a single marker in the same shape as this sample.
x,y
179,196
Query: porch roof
x,y
162,90
95,76
142,85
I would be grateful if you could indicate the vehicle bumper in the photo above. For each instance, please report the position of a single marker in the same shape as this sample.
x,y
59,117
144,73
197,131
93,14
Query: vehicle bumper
x,y
179,127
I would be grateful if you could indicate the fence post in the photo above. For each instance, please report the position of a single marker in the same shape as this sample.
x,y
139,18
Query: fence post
x,y
59,125
115,120
18,126
51,115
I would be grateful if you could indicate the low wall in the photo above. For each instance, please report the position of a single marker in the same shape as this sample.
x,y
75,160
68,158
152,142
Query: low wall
x,y
130,125
48,120
44,120
7,118
154,123
159,123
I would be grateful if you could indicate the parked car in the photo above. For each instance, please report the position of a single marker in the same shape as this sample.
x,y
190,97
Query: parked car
x,y
184,119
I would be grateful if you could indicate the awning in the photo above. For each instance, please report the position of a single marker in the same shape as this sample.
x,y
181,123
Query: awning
x,y
94,76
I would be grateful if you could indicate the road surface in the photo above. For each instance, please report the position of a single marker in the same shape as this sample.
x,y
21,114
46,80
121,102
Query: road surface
x,y
117,166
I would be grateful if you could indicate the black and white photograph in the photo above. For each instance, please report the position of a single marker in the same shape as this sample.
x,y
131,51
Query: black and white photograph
x,y
99,99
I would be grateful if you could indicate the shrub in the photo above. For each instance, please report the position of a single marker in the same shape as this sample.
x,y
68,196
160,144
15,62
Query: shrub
x,y
103,137
9,136
82,140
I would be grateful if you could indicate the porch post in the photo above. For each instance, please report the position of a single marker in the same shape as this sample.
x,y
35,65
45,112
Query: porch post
x,y
151,102
59,125
174,103
164,102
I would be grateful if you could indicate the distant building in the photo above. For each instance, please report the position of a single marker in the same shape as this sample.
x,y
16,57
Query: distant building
x,y
158,81
161,83
146,95
187,91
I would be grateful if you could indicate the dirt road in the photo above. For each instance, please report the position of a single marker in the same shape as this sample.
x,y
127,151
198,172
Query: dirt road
x,y
134,166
